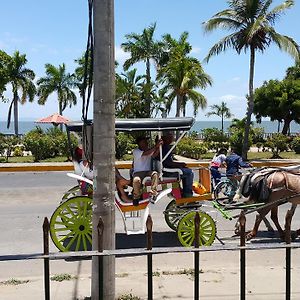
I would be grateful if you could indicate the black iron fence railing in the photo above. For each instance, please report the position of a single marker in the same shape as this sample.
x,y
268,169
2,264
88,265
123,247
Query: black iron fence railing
x,y
149,252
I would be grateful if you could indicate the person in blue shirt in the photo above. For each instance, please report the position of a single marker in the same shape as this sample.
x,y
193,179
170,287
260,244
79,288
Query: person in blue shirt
x,y
234,162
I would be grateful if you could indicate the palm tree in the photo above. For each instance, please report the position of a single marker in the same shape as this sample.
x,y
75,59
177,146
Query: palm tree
x,y
21,79
252,24
182,75
142,47
221,111
128,95
57,80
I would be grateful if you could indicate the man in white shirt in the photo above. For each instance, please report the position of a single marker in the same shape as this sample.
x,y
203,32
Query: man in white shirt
x,y
142,167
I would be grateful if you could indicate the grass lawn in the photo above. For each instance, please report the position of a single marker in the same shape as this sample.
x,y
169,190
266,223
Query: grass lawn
x,y
29,159
207,156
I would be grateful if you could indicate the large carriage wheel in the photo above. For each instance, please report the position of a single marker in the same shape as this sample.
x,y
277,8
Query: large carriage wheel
x,y
72,192
225,191
71,225
186,229
173,214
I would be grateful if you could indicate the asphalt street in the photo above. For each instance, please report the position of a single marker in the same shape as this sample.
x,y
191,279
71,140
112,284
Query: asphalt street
x,y
26,198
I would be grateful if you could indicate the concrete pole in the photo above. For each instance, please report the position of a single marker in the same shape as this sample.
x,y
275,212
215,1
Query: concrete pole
x,y
104,146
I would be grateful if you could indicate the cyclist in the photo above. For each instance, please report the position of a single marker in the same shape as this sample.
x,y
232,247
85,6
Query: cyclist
x,y
233,164
217,162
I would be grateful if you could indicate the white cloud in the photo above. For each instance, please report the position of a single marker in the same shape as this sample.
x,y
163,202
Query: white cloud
x,y
234,79
231,98
121,55
196,50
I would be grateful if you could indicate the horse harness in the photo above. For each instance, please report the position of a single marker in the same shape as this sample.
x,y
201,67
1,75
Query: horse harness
x,y
256,186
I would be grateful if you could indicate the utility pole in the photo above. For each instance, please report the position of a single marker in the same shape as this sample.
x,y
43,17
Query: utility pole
x,y
104,146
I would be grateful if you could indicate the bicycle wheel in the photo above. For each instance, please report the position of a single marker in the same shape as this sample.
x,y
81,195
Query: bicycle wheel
x,y
173,214
225,191
186,229
71,225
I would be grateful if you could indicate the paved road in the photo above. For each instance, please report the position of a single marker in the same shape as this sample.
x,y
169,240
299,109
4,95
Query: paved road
x,y
26,198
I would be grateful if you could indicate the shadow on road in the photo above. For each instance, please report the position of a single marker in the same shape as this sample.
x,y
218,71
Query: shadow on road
x,y
160,239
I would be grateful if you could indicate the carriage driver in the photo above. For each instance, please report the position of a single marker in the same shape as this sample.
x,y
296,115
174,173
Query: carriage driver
x,y
142,167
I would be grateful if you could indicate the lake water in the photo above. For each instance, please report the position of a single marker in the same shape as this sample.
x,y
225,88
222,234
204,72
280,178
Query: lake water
x,y
269,127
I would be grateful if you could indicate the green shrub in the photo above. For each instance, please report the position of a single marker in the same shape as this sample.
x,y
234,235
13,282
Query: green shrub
x,y
277,143
124,144
214,139
189,147
295,144
18,151
48,144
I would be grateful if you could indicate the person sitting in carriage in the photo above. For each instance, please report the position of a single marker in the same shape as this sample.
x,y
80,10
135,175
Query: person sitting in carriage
x,y
85,170
142,167
169,162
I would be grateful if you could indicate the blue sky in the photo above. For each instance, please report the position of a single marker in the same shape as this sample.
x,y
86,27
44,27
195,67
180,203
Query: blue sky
x,y
55,32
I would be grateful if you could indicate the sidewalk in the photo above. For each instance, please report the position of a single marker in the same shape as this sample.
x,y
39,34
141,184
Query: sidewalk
x,y
68,166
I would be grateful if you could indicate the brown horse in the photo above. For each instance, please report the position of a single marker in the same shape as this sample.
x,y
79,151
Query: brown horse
x,y
273,186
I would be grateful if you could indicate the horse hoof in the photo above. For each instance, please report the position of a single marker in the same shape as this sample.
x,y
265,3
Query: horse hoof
x,y
250,235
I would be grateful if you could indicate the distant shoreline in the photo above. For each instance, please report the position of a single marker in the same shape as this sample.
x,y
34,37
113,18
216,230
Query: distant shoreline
x,y
269,126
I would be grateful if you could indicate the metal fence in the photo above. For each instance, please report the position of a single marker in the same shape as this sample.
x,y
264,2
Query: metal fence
x,y
149,252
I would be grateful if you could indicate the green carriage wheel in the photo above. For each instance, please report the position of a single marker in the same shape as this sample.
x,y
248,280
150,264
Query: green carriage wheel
x,y
71,225
173,214
225,191
72,192
186,229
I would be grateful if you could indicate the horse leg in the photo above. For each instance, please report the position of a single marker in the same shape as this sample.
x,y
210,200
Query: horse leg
x,y
259,217
274,218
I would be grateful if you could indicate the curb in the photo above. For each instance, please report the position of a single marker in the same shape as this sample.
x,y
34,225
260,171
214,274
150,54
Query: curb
x,y
50,167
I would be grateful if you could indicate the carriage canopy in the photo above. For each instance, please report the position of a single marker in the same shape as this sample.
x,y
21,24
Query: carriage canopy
x,y
131,125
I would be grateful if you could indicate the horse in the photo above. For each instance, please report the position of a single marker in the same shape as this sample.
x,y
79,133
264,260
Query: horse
x,y
272,186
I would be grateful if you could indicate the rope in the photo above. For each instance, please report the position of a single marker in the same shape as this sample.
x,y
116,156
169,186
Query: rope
x,y
87,84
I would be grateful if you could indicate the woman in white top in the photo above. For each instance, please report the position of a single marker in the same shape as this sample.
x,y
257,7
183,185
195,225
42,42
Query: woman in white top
x,y
217,162
142,167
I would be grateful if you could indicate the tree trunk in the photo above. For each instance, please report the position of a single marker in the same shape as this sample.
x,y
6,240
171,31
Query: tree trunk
x,y
16,114
104,146
60,111
222,124
148,98
286,126
250,105
178,105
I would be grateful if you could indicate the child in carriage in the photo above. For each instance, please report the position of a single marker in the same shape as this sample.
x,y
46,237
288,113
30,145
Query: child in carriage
x,y
85,170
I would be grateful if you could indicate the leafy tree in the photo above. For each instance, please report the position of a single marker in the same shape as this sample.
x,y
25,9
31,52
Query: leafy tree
x,y
59,81
83,69
214,138
221,111
277,143
293,72
279,100
21,80
129,98
252,24
142,48
182,75
4,76
236,134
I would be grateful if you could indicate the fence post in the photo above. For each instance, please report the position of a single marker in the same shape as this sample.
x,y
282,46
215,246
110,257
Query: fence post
x,y
100,229
149,225
288,219
196,257
46,227
242,221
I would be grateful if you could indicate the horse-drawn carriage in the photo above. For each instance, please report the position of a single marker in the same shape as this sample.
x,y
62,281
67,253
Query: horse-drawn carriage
x,y
71,222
